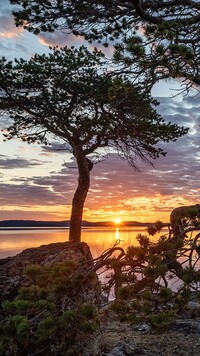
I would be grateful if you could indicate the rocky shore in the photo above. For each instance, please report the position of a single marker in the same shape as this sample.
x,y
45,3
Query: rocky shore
x,y
12,268
122,339
113,338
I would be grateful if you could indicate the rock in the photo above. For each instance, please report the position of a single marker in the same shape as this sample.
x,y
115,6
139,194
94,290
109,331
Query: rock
x,y
128,349
188,326
116,351
87,291
143,327
122,338
133,349
11,269
194,309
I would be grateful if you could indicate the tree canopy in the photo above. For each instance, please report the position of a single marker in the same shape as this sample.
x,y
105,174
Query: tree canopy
x,y
162,36
69,94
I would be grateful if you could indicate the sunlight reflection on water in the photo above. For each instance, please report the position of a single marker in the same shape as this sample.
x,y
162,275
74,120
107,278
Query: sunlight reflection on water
x,y
99,239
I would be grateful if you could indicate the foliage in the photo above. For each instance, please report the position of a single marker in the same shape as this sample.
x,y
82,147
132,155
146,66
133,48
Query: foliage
x,y
47,316
157,227
68,94
161,38
156,281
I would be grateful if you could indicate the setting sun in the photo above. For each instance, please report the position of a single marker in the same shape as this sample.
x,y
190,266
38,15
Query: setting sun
x,y
117,221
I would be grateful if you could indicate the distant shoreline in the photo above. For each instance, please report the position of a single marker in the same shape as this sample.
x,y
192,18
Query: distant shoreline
x,y
34,225
13,228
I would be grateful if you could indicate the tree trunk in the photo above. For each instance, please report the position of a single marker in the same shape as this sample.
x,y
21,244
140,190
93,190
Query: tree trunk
x,y
84,168
178,231
180,213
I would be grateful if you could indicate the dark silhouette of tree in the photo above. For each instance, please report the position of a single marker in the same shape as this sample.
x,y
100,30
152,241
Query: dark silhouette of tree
x,y
166,45
156,281
69,94
184,219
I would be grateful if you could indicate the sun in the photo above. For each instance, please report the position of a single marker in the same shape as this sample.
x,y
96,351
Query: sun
x,y
117,221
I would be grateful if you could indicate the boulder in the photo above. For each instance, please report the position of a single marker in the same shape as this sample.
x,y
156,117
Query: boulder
x,y
12,268
84,291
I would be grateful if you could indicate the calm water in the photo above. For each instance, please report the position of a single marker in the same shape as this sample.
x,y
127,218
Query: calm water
x,y
99,239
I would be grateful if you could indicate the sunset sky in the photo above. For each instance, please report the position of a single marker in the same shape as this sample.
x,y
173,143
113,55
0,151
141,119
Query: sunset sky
x,y
38,183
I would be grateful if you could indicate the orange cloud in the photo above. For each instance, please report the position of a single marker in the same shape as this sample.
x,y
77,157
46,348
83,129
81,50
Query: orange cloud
x,y
59,39
11,34
8,29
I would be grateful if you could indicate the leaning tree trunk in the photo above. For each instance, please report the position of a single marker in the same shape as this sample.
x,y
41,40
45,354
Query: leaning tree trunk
x,y
177,216
84,168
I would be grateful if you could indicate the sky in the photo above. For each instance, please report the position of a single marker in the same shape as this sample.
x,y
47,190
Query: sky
x,y
38,183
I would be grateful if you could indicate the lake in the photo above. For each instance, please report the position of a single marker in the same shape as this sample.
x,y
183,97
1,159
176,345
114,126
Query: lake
x,y
99,239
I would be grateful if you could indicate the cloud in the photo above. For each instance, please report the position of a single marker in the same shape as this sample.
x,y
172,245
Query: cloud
x,y
13,39
13,163
115,187
56,148
52,190
8,28
175,179
61,39
33,213
28,195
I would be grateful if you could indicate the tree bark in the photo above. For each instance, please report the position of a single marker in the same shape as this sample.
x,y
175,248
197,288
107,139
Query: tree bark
x,y
84,168
176,219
